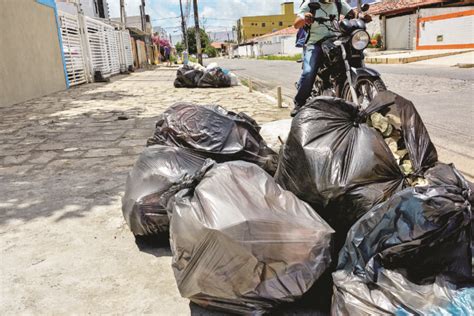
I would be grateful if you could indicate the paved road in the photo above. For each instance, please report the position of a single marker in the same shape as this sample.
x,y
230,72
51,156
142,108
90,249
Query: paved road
x,y
443,96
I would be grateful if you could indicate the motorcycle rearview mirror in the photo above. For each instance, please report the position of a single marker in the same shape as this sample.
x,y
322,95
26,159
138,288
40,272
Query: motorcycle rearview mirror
x,y
365,7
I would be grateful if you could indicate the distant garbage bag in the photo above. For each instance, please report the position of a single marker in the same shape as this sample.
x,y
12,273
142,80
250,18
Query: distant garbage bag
x,y
156,176
412,252
242,244
214,132
275,133
188,77
342,160
214,78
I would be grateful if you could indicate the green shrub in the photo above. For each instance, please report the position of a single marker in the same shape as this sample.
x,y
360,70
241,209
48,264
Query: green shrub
x,y
210,51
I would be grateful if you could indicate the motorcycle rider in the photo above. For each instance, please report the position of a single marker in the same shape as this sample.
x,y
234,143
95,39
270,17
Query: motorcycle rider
x,y
312,54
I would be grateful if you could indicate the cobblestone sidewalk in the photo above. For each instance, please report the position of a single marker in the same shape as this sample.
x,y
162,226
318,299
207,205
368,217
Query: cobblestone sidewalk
x,y
65,247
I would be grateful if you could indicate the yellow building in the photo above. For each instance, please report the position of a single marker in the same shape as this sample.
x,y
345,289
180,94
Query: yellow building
x,y
252,26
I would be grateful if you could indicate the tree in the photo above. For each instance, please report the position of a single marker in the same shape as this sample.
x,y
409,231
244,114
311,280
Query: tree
x,y
192,39
179,47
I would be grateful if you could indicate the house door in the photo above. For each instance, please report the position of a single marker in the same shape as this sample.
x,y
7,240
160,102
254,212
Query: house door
x,y
398,32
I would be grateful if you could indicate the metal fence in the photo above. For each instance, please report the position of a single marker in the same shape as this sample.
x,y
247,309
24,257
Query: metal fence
x,y
72,49
90,45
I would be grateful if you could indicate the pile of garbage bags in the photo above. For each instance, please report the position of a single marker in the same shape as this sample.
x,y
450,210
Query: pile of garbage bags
x,y
357,194
240,242
194,75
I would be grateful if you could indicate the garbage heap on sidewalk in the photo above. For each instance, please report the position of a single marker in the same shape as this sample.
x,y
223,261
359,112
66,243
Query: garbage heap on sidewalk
x,y
356,193
193,75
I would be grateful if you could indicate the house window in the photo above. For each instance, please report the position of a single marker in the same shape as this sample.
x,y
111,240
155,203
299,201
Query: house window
x,y
263,24
280,23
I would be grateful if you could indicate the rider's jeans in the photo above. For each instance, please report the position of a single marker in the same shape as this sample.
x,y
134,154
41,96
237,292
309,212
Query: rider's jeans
x,y
311,61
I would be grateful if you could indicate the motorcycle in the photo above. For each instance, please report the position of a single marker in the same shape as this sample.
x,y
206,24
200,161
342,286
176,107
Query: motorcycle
x,y
342,72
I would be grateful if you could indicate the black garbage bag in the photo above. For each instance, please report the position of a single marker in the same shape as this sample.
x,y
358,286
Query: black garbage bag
x,y
242,244
214,78
155,177
341,166
393,294
187,77
412,251
214,132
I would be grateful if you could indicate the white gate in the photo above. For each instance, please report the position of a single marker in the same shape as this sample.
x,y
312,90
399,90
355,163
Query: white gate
x,y
90,45
72,49
398,32
113,50
97,36
126,53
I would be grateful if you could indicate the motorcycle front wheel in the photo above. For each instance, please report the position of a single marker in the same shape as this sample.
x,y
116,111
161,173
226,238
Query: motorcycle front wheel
x,y
366,89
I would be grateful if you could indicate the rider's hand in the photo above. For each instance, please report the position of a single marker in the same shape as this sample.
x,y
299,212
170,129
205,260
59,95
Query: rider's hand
x,y
367,18
308,18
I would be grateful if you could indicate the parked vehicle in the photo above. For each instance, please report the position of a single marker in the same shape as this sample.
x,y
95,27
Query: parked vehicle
x,y
343,72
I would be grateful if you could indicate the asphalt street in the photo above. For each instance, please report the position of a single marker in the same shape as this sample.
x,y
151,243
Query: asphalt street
x,y
442,95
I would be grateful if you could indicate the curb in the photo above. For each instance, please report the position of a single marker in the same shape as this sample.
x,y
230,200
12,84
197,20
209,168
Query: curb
x,y
406,60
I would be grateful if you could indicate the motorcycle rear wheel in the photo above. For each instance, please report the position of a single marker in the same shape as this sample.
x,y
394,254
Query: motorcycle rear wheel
x,y
366,88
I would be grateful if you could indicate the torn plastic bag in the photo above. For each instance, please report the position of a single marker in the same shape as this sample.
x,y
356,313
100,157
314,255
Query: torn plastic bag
x,y
242,244
393,294
342,166
275,133
188,77
214,132
214,78
411,252
155,177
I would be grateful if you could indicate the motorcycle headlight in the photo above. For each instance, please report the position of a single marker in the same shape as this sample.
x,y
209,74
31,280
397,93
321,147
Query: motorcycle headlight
x,y
360,40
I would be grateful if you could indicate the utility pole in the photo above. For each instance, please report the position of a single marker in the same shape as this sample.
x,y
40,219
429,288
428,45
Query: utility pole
x,y
147,36
142,15
198,31
183,27
359,6
123,15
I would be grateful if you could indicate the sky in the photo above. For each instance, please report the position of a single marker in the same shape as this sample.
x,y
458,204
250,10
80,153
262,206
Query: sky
x,y
215,15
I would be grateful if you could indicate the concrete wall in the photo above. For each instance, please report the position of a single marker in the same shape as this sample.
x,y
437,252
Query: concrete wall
x,y
289,46
30,56
438,11
375,27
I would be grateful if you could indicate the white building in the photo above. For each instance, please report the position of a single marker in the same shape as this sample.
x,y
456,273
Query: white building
x,y
421,24
90,8
281,42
